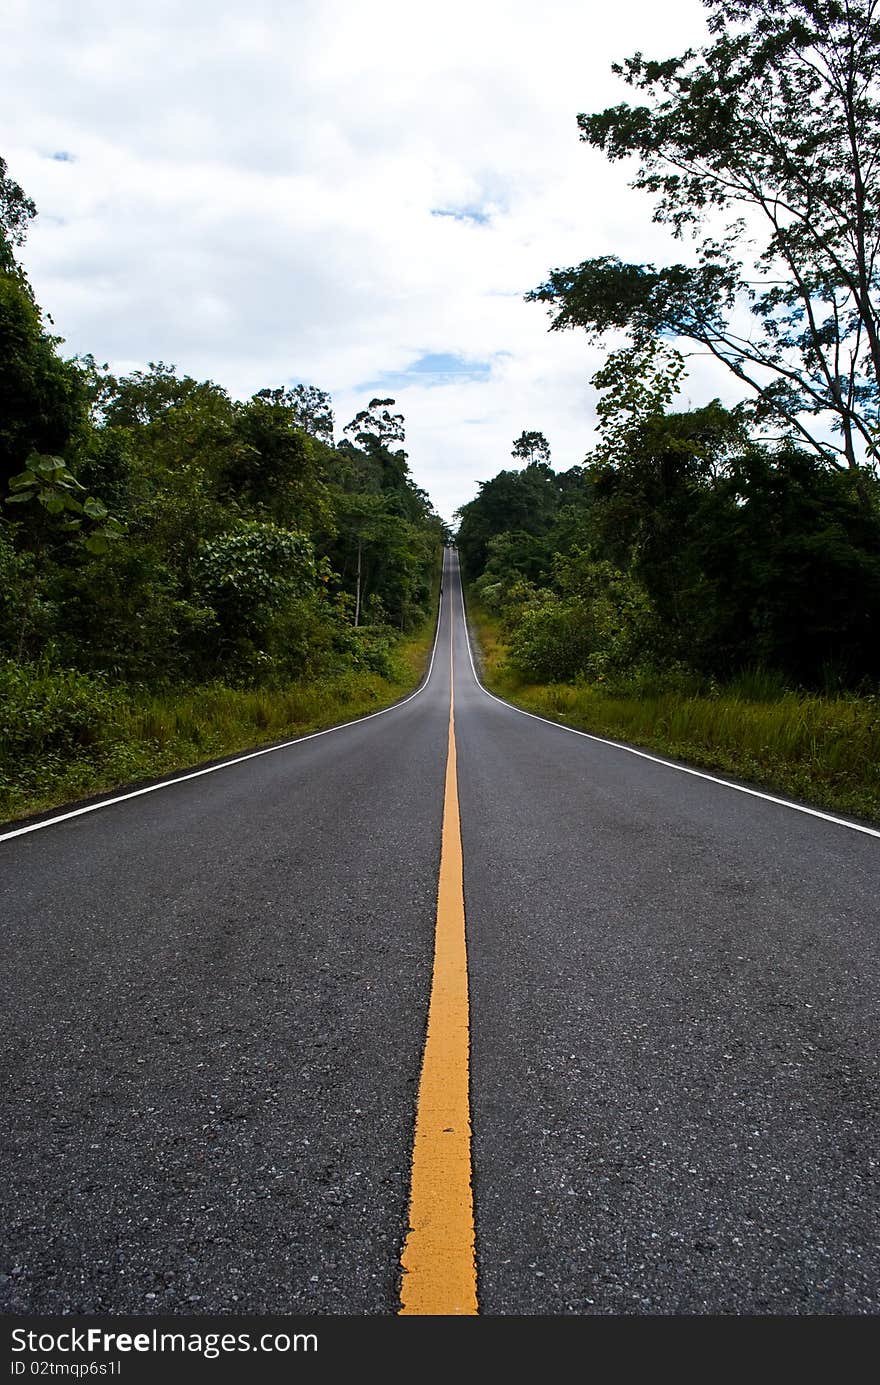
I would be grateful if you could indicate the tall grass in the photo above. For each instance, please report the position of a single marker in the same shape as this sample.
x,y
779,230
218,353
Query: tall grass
x,y
822,749
66,735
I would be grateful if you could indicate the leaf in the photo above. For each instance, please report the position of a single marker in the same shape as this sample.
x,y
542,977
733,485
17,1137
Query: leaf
x,y
94,508
49,468
24,478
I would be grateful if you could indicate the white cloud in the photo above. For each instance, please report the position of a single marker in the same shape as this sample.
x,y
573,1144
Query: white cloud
x,y
250,194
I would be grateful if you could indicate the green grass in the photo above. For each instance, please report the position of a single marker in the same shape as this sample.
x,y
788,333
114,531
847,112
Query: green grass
x,y
98,739
822,750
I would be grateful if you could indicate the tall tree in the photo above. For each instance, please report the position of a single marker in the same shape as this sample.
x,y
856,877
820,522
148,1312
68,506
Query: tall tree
x,y
773,127
375,430
531,447
515,502
42,401
311,408
16,212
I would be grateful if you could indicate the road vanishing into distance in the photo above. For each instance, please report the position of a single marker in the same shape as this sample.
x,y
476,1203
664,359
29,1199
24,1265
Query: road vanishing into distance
x,y
215,1006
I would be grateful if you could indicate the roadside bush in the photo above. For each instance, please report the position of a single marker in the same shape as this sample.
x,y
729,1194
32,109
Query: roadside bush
x,y
369,647
553,641
51,713
602,626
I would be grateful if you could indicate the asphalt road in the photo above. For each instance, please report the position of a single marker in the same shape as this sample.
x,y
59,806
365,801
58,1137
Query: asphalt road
x,y
215,997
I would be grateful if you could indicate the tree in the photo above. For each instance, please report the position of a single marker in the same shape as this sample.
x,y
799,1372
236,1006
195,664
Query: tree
x,y
525,501
649,500
254,568
374,430
42,401
531,447
364,519
599,622
251,576
157,532
16,211
790,564
276,468
775,128
144,396
376,425
310,408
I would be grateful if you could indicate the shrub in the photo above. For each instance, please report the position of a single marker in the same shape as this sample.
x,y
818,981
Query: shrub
x,y
553,641
51,712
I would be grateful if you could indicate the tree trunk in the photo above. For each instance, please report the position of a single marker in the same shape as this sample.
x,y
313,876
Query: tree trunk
x,y
357,599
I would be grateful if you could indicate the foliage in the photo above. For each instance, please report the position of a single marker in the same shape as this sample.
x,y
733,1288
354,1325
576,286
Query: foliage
x,y
156,534
821,748
773,128
524,501
48,481
310,409
65,734
708,582
42,401
682,545
531,447
599,624
251,570
49,712
639,384
372,431
16,211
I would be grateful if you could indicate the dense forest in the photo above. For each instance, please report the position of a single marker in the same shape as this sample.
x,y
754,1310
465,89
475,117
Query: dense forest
x,y
165,547
707,581
706,541
682,549
157,535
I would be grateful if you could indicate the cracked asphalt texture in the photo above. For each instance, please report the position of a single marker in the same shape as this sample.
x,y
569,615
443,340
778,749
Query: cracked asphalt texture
x,y
214,1003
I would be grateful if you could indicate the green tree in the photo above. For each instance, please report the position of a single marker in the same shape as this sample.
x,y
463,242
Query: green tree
x,y
531,447
648,504
42,399
240,538
16,212
148,396
773,130
275,466
250,575
310,408
526,501
596,621
789,561
374,431
515,554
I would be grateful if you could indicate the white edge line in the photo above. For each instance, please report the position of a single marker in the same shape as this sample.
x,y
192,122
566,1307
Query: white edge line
x,y
239,759
657,759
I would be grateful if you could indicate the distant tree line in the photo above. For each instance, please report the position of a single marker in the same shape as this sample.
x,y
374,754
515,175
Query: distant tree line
x,y
681,548
155,531
705,542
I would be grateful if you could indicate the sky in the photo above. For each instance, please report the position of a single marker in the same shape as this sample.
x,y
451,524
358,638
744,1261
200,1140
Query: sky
x,y
353,195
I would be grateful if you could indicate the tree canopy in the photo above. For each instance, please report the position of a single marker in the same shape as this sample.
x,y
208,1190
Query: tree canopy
x,y
768,137
157,531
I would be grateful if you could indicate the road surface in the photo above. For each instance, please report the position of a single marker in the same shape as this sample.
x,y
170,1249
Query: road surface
x,y
215,999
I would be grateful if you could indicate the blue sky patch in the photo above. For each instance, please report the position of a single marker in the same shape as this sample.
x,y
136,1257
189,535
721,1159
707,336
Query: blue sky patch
x,y
63,156
434,368
473,215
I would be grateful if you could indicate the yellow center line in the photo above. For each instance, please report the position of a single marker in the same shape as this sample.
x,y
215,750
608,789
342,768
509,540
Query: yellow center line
x,y
440,1273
